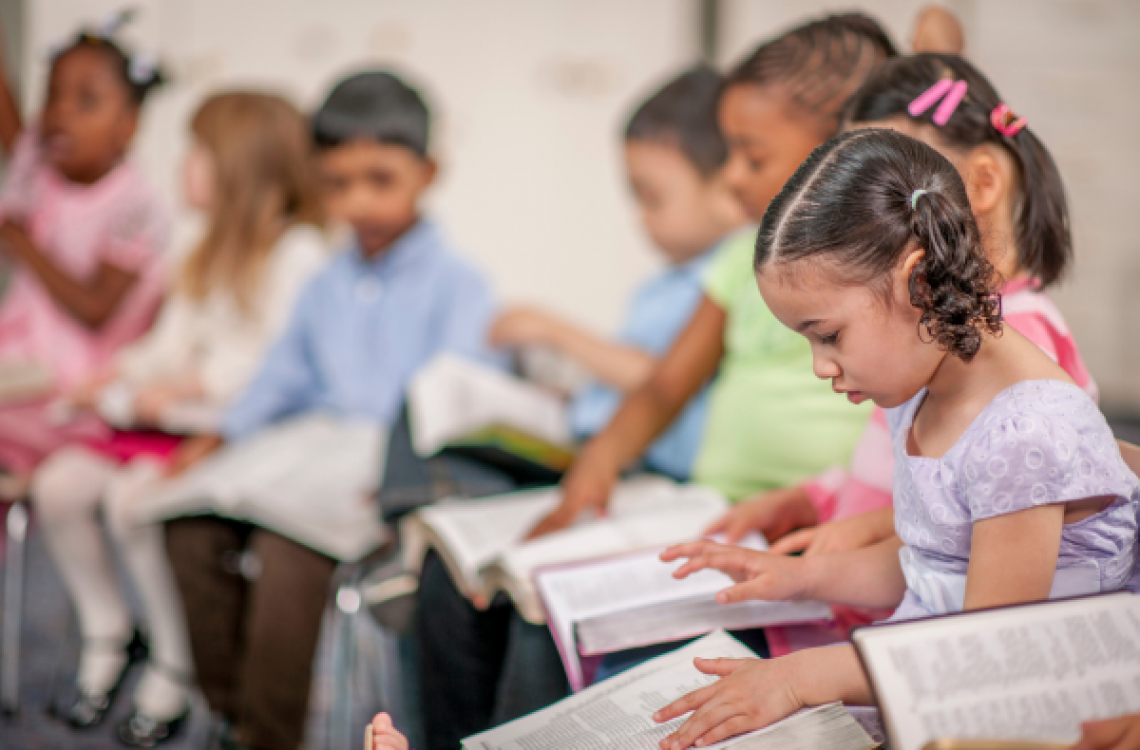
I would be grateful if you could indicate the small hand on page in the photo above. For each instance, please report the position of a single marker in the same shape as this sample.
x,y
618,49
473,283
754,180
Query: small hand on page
x,y
773,514
750,694
759,575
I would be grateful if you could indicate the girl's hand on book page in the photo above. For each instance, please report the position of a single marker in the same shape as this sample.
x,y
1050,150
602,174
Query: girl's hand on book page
x,y
851,533
587,486
190,451
759,575
381,735
1111,734
752,693
772,513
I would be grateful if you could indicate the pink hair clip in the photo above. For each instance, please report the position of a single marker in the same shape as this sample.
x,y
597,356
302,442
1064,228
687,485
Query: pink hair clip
x,y
1006,122
951,93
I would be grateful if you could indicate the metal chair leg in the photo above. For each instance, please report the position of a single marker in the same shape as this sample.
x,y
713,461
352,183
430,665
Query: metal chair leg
x,y
17,532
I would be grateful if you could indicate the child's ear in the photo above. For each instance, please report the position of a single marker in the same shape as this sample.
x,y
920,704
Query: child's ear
x,y
988,179
430,171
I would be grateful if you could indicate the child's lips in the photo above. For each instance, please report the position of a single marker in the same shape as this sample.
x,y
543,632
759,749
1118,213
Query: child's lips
x,y
855,397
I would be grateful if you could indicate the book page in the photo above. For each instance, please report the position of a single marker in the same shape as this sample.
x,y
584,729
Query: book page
x,y
615,714
1032,672
453,397
578,591
644,513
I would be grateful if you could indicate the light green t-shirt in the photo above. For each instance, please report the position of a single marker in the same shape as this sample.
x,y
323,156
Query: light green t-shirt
x,y
771,421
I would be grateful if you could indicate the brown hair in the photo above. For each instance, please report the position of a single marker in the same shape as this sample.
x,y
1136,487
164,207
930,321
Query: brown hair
x,y
263,183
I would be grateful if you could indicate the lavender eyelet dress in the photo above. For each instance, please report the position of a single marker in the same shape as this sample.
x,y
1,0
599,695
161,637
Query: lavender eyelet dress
x,y
1038,442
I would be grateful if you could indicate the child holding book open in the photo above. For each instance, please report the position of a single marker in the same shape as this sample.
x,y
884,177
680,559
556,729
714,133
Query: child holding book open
x,y
1018,199
1009,486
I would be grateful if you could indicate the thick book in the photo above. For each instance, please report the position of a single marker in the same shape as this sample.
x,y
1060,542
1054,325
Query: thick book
x,y
472,410
481,541
312,478
616,714
1012,677
600,606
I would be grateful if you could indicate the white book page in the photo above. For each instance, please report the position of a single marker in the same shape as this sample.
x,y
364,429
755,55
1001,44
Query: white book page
x,y
452,397
574,593
478,531
615,713
1024,673
644,513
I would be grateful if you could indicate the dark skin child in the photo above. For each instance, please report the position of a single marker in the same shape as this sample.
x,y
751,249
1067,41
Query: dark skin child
x,y
88,121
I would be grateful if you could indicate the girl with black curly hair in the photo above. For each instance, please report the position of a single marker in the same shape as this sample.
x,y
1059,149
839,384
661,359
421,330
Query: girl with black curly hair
x,y
1008,483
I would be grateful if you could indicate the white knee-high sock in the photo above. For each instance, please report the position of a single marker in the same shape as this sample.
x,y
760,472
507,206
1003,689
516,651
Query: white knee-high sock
x,y
66,491
160,694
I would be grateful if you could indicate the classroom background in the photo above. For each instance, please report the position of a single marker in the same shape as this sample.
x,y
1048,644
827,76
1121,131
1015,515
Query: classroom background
x,y
530,98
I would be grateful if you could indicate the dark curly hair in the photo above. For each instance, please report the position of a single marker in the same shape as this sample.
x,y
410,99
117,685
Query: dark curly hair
x,y
818,65
1041,219
137,80
853,204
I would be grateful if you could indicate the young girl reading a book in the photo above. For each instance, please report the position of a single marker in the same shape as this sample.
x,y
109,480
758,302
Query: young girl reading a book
x,y
249,171
1009,486
84,231
1018,200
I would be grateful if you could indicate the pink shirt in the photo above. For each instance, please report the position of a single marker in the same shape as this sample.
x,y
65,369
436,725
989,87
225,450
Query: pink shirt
x,y
119,220
866,483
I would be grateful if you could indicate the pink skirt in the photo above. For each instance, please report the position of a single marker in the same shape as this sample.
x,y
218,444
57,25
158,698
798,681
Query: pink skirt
x,y
28,435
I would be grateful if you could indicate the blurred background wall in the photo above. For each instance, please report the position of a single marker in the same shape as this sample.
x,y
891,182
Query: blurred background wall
x,y
531,95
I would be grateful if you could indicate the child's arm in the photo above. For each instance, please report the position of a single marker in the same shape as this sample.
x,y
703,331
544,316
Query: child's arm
x,y
753,693
869,577
680,374
91,303
1131,455
617,365
1013,557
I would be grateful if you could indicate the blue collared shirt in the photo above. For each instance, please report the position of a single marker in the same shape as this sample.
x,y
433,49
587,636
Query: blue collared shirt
x,y
659,312
362,327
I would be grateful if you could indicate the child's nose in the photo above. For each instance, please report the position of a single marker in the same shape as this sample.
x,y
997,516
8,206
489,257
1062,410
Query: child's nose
x,y
825,368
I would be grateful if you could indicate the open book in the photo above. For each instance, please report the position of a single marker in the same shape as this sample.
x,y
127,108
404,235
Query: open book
x,y
615,714
311,478
600,606
1022,674
481,541
477,411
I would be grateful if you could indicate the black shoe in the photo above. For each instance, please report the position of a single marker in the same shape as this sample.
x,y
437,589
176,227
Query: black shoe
x,y
142,731
87,711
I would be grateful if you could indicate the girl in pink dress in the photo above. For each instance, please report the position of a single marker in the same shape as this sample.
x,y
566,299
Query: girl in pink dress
x,y
83,231
1025,234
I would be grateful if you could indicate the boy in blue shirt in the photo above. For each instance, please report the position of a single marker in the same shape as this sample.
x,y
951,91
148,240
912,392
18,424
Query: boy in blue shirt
x,y
673,155
361,328
480,668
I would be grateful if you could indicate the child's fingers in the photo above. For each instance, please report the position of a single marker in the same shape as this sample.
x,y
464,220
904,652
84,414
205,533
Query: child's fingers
x,y
710,715
719,524
685,704
797,541
736,725
719,667
1110,734
381,722
688,549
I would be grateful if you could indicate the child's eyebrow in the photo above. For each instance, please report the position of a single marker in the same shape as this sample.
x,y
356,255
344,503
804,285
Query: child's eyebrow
x,y
806,325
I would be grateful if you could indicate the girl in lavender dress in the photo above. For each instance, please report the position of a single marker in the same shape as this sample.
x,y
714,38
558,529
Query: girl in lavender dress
x,y
1009,486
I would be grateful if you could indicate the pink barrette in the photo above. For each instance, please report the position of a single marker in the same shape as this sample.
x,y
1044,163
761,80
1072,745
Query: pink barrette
x,y
950,91
1006,122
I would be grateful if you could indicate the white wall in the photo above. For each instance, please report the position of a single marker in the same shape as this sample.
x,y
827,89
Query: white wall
x,y
531,95
530,98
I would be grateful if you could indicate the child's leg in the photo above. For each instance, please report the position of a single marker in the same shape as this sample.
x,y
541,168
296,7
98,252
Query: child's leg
x,y
66,491
162,691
